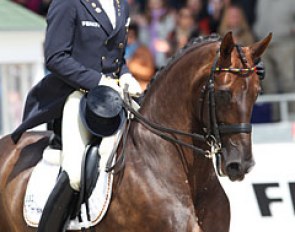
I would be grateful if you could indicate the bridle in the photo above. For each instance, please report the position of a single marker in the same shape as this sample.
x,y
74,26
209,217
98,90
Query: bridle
x,y
213,132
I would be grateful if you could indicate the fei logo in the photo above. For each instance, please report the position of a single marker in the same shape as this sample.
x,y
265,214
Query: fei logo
x,y
264,201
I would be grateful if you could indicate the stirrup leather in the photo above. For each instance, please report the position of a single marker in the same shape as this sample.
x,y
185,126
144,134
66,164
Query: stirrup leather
x,y
89,176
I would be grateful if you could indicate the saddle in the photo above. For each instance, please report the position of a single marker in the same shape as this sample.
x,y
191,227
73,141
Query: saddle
x,y
95,193
89,166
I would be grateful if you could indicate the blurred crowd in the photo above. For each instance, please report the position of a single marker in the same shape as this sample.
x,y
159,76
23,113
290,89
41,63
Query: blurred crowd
x,y
160,27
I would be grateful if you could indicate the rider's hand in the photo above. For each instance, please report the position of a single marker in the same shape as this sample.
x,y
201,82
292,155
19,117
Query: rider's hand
x,y
113,83
134,88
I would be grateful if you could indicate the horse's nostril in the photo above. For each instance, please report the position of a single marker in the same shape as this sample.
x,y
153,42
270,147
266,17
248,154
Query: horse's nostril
x,y
233,169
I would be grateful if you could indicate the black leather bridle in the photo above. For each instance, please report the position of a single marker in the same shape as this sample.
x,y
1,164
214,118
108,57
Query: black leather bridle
x,y
213,131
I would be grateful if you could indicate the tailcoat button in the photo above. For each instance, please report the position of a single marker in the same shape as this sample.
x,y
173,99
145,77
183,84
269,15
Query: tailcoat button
x,y
98,10
121,45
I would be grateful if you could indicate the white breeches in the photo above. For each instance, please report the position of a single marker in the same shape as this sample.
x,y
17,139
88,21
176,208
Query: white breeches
x,y
75,137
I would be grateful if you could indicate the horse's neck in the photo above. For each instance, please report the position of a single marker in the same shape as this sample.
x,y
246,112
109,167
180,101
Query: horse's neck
x,y
173,98
172,103
168,102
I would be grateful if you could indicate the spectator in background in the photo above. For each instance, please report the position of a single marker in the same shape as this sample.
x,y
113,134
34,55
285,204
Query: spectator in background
x,y
201,17
176,4
134,11
134,6
234,20
139,59
158,24
215,11
142,5
195,6
184,29
249,8
226,3
279,18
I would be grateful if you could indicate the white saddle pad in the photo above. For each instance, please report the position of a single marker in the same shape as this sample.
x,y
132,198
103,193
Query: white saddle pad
x,y
41,183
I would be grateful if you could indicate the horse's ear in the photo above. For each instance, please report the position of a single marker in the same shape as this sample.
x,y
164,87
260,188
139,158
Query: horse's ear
x,y
258,48
226,47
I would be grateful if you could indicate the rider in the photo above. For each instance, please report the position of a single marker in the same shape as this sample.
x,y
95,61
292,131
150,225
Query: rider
x,y
84,47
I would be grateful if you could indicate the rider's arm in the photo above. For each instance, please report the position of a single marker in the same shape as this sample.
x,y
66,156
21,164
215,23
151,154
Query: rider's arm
x,y
60,34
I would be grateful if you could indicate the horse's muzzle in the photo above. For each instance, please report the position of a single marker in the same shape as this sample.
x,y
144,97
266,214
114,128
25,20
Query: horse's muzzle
x,y
235,171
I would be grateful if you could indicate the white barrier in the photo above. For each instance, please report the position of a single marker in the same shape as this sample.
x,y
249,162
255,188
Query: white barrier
x,y
265,199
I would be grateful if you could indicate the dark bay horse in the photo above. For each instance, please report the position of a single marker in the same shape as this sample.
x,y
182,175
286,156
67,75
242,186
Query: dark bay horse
x,y
208,89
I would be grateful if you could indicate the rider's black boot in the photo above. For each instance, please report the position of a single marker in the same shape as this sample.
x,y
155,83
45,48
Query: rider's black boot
x,y
59,206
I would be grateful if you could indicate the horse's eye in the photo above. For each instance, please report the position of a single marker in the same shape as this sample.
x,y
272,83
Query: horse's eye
x,y
223,96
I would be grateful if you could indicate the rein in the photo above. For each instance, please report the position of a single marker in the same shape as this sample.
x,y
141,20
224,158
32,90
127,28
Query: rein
x,y
162,131
213,131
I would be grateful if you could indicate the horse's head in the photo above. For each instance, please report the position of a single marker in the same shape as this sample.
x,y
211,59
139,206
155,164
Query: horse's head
x,y
233,87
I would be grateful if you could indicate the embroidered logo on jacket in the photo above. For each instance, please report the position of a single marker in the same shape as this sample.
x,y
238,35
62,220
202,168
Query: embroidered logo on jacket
x,y
89,24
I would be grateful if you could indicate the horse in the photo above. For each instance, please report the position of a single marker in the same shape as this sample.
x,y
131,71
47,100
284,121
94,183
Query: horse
x,y
197,110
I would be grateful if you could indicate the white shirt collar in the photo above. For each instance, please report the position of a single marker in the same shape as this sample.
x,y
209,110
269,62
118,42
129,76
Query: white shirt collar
x,y
109,8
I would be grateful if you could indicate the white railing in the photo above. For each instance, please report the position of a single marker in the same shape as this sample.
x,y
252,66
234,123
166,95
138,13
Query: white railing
x,y
15,82
279,131
283,100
